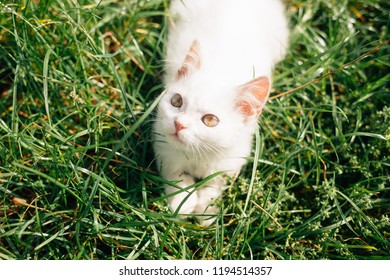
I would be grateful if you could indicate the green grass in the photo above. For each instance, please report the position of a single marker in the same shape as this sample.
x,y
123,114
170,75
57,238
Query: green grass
x,y
78,84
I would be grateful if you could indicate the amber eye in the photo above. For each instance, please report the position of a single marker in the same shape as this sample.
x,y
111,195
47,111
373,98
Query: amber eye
x,y
177,101
210,120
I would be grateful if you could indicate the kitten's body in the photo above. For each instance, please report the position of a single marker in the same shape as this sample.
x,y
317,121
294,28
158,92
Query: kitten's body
x,y
219,60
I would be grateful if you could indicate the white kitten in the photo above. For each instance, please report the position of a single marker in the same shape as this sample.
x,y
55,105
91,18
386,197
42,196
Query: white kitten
x,y
219,60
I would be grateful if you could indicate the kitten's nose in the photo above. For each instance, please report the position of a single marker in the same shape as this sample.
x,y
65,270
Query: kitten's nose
x,y
179,126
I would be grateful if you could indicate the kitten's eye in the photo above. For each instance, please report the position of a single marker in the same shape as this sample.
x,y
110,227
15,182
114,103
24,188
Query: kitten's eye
x,y
210,120
177,101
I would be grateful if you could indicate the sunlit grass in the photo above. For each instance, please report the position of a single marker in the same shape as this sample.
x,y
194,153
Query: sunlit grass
x,y
78,84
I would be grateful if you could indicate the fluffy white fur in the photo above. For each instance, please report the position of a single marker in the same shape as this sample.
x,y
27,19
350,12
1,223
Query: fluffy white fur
x,y
220,56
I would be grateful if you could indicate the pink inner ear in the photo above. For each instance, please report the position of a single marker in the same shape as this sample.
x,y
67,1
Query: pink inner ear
x,y
192,60
253,96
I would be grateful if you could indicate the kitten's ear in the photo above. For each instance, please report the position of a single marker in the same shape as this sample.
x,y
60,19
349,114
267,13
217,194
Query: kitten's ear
x,y
252,96
192,61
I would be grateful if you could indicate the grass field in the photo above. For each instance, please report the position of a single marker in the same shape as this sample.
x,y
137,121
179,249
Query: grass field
x,y
79,82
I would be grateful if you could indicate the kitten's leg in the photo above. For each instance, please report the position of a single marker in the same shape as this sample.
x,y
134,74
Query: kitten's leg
x,y
188,196
206,199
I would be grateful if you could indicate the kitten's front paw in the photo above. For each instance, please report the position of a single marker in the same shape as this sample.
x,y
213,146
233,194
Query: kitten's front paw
x,y
183,204
205,219
205,206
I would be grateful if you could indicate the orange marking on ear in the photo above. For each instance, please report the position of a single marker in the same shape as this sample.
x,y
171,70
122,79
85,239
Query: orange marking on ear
x,y
192,60
245,108
253,96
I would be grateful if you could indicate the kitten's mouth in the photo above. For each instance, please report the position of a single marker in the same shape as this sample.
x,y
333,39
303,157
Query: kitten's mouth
x,y
177,138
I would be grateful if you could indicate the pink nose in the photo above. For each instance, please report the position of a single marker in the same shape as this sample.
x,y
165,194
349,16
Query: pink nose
x,y
179,126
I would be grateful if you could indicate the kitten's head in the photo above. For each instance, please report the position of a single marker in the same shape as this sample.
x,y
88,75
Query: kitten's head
x,y
204,115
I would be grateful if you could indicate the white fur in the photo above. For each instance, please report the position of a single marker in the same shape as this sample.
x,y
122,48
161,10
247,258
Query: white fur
x,y
238,41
